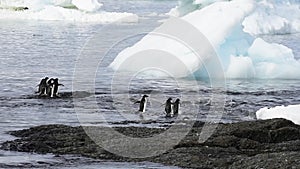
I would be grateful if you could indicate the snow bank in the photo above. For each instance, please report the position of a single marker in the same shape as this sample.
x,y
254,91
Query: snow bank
x,y
64,10
291,113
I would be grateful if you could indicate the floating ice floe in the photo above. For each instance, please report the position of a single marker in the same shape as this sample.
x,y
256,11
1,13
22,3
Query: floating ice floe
x,y
61,10
291,113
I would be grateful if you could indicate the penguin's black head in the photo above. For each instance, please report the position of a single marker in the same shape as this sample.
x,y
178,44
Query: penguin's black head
x,y
169,99
145,96
46,78
177,100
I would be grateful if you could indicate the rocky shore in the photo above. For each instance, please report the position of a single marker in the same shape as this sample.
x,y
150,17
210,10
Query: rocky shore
x,y
256,144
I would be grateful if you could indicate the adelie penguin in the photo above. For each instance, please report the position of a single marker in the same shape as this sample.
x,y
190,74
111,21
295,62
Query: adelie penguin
x,y
52,87
55,87
168,107
143,103
42,90
176,107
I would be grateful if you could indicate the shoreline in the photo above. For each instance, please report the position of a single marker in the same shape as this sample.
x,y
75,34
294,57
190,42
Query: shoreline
x,y
250,144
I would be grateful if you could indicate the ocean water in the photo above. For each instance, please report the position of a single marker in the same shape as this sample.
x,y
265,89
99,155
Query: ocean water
x,y
31,50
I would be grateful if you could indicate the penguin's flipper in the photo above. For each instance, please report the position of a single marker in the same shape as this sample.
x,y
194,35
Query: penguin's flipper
x,y
137,102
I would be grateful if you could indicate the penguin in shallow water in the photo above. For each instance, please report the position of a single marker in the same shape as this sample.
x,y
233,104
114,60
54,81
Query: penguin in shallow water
x,y
168,107
176,107
143,103
42,90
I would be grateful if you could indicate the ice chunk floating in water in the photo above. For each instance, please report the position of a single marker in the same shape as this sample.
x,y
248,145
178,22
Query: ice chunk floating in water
x,y
223,24
291,113
66,10
85,5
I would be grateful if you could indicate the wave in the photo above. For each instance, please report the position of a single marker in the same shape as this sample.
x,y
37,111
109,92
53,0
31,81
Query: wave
x,y
241,54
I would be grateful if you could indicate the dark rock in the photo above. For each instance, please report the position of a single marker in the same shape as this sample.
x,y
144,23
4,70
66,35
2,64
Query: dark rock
x,y
20,8
62,95
255,144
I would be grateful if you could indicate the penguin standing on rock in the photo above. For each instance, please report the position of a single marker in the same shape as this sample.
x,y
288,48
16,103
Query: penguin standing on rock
x,y
43,87
143,103
55,87
50,87
176,107
168,107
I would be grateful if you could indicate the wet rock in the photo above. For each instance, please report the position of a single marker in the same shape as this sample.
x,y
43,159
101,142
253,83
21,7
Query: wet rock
x,y
62,95
255,144
20,8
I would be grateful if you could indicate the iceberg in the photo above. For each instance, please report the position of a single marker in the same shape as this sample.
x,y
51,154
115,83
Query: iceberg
x,y
291,112
62,10
87,5
207,21
225,25
269,16
273,61
186,6
274,17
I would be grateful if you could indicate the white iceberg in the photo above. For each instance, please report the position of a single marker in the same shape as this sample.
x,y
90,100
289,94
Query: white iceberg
x,y
87,5
223,23
274,17
269,16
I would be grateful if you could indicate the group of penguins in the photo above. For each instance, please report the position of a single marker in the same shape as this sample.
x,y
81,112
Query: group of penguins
x,y
48,87
171,108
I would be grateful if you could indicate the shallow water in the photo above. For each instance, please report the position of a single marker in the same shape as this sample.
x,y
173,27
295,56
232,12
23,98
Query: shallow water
x,y
31,50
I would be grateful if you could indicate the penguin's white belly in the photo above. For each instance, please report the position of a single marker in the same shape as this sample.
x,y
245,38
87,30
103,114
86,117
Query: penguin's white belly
x,y
145,104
